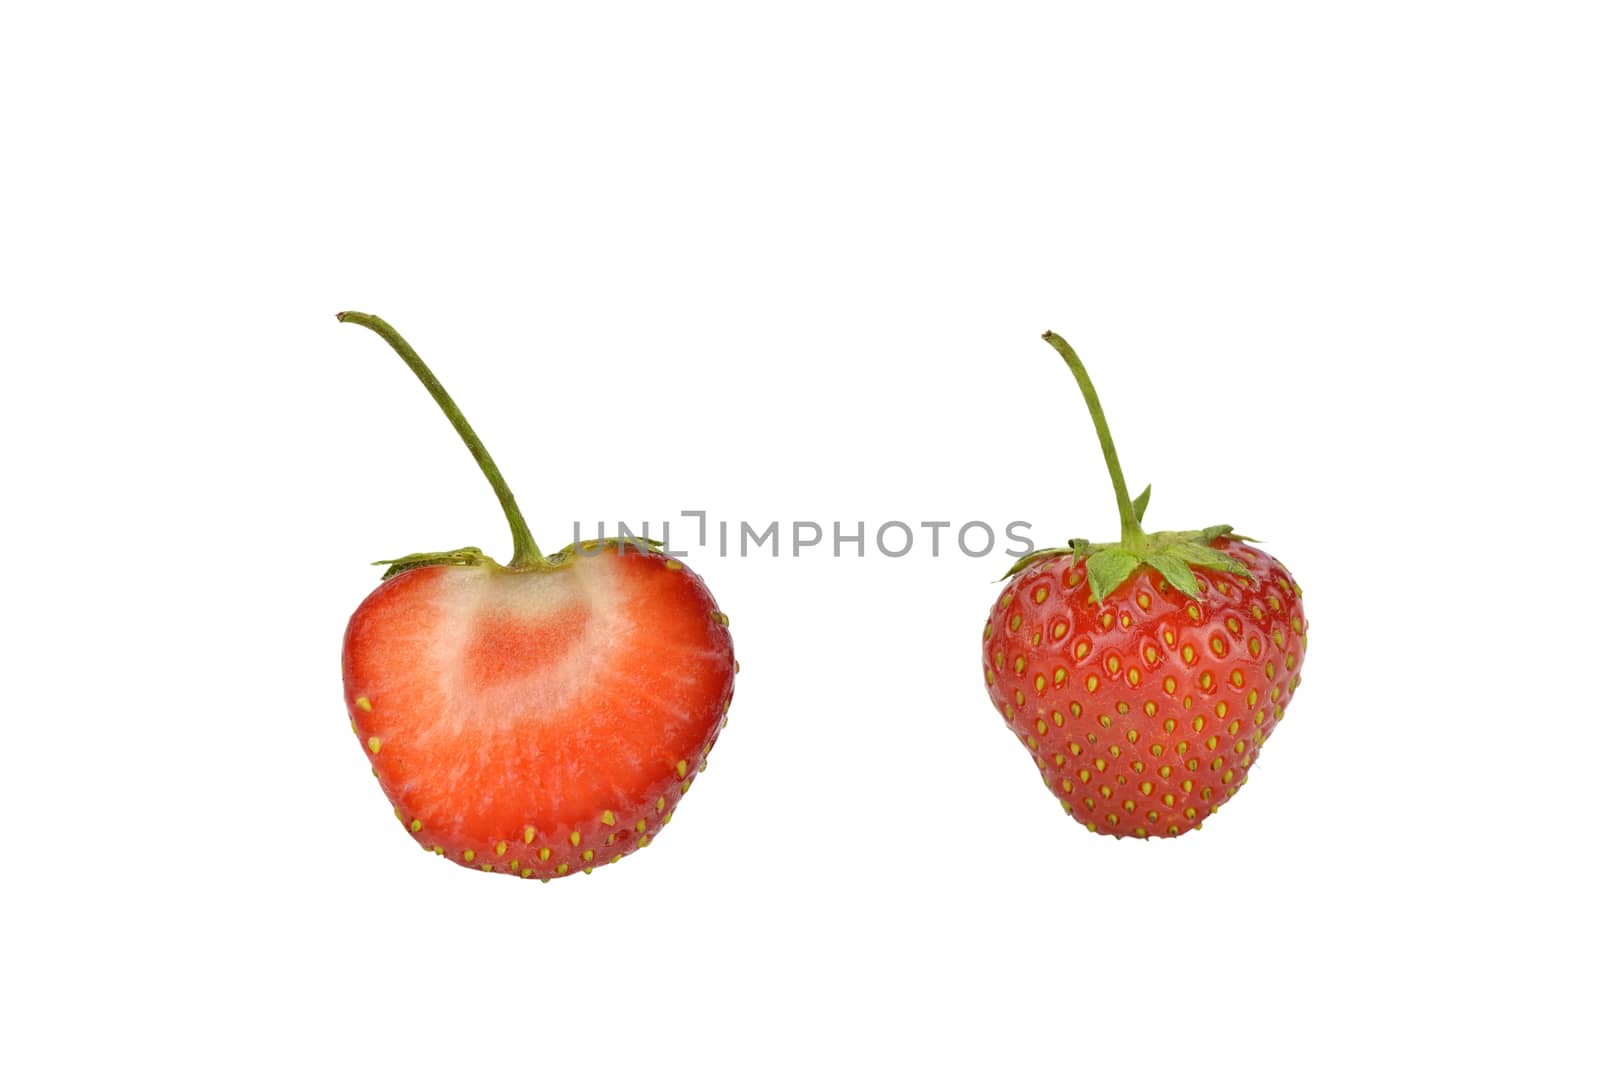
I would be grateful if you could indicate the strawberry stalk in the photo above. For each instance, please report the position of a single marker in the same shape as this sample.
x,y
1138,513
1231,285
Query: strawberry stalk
x,y
1174,554
525,554
1132,532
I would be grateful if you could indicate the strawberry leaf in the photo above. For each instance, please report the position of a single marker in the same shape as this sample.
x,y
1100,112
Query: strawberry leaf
x,y
1175,571
1109,569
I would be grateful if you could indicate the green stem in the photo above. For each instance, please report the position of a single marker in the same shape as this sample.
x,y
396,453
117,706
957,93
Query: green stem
x,y
524,553
1132,532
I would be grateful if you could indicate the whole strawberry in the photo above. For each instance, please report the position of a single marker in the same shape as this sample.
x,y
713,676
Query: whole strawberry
x,y
1144,675
538,718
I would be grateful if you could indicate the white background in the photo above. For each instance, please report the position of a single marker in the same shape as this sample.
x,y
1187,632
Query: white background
x,y
1334,274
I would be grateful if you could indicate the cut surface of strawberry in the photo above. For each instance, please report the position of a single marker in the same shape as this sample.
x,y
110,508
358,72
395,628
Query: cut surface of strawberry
x,y
540,718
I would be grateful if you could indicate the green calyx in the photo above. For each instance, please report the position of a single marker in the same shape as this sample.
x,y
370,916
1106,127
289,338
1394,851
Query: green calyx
x,y
1174,554
525,554
472,556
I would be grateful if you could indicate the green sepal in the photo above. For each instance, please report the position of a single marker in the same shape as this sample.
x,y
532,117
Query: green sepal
x,y
1211,534
473,556
1175,571
458,557
1140,503
1030,559
1173,553
596,546
1205,556
1110,568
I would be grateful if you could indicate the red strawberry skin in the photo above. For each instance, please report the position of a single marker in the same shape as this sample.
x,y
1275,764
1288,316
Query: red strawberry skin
x,y
1145,713
539,722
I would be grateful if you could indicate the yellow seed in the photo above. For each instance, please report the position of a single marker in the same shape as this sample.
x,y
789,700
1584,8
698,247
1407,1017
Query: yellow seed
x,y
1133,736
469,856
674,565
544,853
1133,676
588,854
1041,726
416,825
364,704
1061,676
561,869
374,743
500,849
1146,788
516,865
488,867
1040,594
1083,775
1092,683
575,838
1081,650
1038,684
1016,621
608,818
527,835
1188,654
1060,631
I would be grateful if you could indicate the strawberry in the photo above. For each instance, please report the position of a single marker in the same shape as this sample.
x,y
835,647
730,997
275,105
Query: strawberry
x,y
1144,675
543,717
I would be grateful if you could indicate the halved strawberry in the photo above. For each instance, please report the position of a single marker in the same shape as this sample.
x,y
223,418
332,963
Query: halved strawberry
x,y
540,718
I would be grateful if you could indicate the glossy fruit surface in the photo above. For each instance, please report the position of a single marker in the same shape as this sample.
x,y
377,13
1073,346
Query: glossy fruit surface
x,y
1144,711
1144,675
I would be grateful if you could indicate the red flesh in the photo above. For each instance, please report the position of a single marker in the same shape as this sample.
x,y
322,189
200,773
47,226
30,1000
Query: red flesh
x,y
538,723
